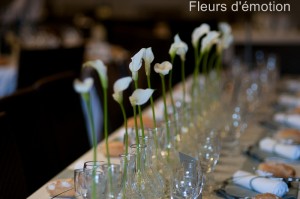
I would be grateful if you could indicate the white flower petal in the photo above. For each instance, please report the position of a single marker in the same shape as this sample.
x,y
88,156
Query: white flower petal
x,y
163,68
136,61
226,35
148,59
198,33
83,87
140,96
224,27
178,47
100,68
122,84
210,39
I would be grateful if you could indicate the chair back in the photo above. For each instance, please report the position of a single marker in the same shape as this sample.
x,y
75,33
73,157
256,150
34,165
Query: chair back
x,y
48,126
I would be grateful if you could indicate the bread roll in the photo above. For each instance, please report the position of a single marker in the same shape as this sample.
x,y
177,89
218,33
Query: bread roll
x,y
266,196
61,187
116,148
147,121
280,170
296,110
292,134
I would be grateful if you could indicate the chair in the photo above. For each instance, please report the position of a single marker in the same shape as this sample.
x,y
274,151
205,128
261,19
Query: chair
x,y
47,124
12,182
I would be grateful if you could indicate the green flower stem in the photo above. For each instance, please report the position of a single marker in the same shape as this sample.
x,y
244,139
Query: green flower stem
x,y
152,103
212,61
141,121
126,126
171,94
153,116
165,111
106,135
171,90
196,74
136,138
105,125
140,113
126,148
196,55
183,80
87,99
219,64
205,58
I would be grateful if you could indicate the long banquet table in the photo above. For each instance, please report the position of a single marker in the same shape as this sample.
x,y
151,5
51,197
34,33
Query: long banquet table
x,y
226,166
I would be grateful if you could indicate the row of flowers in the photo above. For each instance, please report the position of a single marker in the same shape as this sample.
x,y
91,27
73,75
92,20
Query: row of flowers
x,y
203,40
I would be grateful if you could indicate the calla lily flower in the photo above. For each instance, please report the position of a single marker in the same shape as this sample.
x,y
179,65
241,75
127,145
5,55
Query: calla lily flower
x,y
198,33
136,63
83,86
210,39
100,68
148,58
140,96
163,68
119,86
226,36
178,47
224,28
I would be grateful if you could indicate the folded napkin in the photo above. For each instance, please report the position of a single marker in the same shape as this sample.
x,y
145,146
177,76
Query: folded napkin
x,y
292,120
260,184
285,150
293,85
289,100
61,187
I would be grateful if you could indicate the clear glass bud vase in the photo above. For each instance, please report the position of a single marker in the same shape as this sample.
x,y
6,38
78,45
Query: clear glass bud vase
x,y
113,176
142,182
159,164
150,168
169,152
128,167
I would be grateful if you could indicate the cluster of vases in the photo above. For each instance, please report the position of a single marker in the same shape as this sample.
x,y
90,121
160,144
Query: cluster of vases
x,y
174,160
170,161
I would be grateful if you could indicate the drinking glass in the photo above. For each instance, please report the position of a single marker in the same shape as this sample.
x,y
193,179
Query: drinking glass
x,y
94,178
95,182
113,180
186,181
79,183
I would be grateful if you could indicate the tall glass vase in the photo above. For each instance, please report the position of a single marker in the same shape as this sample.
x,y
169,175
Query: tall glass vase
x,y
113,176
142,182
168,149
128,167
156,167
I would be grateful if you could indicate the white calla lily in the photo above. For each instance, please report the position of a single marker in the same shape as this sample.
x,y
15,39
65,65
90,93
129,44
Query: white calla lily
x,y
136,63
83,86
140,96
198,33
178,47
163,68
210,39
100,68
224,28
119,86
226,36
148,58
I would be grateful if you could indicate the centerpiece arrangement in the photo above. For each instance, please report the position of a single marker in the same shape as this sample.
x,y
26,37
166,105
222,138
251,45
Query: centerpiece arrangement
x,y
154,163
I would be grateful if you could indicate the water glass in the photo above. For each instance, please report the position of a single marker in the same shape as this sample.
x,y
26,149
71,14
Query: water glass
x,y
79,183
186,182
